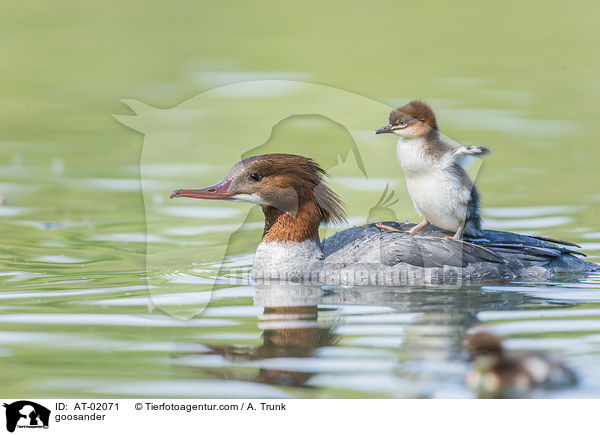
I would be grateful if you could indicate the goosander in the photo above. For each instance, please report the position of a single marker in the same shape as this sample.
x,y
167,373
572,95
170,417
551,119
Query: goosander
x,y
295,201
440,189
497,373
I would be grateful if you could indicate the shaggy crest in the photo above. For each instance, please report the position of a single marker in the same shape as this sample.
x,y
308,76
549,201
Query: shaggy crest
x,y
305,177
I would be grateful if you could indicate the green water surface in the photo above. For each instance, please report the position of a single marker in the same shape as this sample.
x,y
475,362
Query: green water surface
x,y
77,316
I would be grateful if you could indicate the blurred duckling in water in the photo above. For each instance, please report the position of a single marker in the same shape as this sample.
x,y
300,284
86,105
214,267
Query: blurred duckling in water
x,y
498,373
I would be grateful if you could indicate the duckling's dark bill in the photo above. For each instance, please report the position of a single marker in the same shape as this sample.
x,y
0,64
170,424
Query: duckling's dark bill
x,y
384,129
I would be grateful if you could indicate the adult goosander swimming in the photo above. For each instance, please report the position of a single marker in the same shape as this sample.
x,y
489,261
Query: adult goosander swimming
x,y
440,189
295,201
498,373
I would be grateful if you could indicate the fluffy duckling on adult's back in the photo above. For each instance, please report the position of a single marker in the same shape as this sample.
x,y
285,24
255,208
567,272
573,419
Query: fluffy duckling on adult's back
x,y
440,189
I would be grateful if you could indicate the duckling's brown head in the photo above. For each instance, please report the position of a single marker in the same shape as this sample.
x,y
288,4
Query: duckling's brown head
x,y
280,183
485,349
414,119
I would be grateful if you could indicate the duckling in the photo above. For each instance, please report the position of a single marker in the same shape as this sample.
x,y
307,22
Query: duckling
x,y
497,373
440,189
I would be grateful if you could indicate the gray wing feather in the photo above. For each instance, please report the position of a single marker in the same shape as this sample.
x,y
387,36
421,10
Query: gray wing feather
x,y
430,248
426,251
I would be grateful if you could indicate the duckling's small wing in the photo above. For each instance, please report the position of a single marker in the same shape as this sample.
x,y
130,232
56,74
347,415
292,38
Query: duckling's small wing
x,y
464,156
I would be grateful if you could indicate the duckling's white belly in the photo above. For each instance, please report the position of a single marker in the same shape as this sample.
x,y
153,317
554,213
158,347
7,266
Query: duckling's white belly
x,y
436,191
440,198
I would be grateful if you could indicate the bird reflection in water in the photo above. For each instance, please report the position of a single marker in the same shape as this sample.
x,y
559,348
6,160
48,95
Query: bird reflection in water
x,y
417,339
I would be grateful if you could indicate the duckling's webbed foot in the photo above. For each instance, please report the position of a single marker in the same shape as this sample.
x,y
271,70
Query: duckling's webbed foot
x,y
419,227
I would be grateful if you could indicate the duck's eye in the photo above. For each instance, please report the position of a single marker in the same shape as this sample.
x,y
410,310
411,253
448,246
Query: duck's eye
x,y
401,123
256,176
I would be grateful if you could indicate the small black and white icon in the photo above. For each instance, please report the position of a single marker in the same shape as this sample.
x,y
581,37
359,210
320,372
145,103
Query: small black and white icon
x,y
26,414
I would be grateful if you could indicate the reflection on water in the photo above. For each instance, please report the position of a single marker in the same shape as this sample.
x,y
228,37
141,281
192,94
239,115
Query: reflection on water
x,y
286,340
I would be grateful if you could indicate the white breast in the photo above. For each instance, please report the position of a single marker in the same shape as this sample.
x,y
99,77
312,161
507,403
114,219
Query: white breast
x,y
286,260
